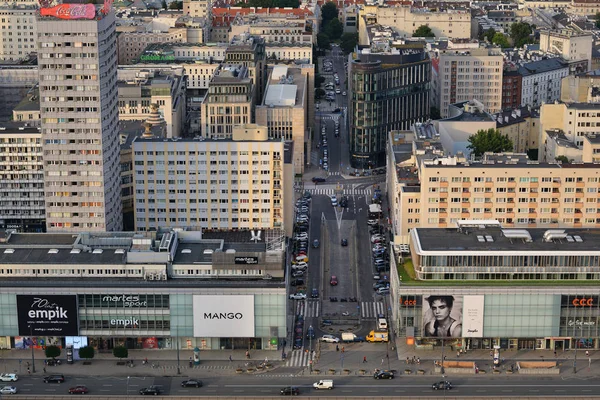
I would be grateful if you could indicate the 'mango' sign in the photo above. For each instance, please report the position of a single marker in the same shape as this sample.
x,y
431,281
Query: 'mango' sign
x,y
223,316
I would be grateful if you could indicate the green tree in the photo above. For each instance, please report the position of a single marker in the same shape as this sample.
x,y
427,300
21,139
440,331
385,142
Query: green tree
x,y
120,352
329,11
319,80
489,34
334,29
348,42
164,4
423,31
319,93
490,140
87,352
562,159
434,113
500,40
176,5
597,18
52,351
520,32
323,41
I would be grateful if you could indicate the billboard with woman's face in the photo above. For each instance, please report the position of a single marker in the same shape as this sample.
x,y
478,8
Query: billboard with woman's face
x,y
442,316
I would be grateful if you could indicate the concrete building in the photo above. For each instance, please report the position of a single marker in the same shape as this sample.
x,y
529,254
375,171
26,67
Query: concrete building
x,y
197,8
582,88
541,81
463,75
28,109
585,8
229,102
569,44
512,89
133,40
250,52
405,73
238,183
167,91
18,31
521,125
504,18
80,117
21,178
284,112
349,18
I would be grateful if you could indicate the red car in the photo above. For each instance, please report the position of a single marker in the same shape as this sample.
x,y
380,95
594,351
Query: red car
x,y
333,281
79,389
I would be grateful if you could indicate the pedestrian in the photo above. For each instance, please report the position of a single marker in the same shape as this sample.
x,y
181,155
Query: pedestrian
x,y
457,354
364,359
230,359
555,354
337,348
382,361
414,359
491,354
247,355
587,353
418,361
407,360
28,371
266,360
44,369
343,349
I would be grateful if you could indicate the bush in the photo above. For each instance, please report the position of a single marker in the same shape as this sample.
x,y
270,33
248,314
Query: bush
x,y
120,352
87,352
52,351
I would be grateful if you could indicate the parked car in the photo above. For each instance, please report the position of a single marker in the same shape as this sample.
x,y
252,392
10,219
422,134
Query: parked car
x,y
57,378
298,296
329,339
344,242
290,391
316,179
383,375
297,282
9,377
296,274
383,290
191,383
151,390
8,390
442,385
79,389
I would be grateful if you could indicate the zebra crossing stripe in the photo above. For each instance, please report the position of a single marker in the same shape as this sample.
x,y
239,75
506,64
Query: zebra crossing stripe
x,y
298,358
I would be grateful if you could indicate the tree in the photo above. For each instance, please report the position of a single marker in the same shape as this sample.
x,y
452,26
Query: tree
x,y
520,32
423,31
120,352
434,113
490,140
597,18
500,40
319,93
87,352
52,351
319,80
562,159
489,34
334,29
164,4
348,42
323,41
176,5
329,11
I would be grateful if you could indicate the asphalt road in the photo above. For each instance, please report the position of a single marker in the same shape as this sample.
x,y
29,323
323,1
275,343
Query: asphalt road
x,y
347,386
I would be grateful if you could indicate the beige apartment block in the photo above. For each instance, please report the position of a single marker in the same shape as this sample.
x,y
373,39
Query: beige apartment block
x,y
563,127
522,126
197,8
283,110
582,88
591,149
463,75
584,8
18,31
571,45
133,40
448,23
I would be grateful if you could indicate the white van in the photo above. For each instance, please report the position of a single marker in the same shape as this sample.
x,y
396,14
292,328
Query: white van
x,y
323,384
382,324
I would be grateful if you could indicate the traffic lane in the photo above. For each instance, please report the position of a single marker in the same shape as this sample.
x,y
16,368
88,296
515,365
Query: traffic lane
x,y
315,259
342,265
97,386
364,258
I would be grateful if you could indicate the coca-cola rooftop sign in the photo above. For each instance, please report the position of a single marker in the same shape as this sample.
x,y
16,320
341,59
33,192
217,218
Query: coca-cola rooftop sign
x,y
70,11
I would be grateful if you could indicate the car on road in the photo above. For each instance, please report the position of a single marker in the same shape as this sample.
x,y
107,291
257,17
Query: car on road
x,y
344,242
79,389
8,390
57,378
298,296
290,391
191,383
383,290
442,385
297,282
310,333
297,274
344,202
316,179
150,390
314,293
383,375
372,222
343,93
9,377
334,201
333,281
338,91
329,339
337,110
316,243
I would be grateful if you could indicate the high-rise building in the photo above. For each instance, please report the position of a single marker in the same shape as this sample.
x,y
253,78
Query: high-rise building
x,y
390,91
17,31
77,58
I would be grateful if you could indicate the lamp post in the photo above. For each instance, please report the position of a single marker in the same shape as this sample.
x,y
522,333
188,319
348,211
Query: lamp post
x,y
128,387
32,353
177,339
576,346
442,369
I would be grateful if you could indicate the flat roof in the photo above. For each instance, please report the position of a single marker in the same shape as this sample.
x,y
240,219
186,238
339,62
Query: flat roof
x,y
281,95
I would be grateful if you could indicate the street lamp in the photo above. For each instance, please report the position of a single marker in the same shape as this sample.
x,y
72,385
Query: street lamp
x,y
32,354
576,346
128,387
177,338
442,369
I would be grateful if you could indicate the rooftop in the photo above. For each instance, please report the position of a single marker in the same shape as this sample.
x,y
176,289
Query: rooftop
x,y
541,66
510,117
18,128
560,138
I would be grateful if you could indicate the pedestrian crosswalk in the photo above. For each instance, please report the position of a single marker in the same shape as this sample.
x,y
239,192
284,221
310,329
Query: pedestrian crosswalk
x,y
370,309
298,358
345,192
308,308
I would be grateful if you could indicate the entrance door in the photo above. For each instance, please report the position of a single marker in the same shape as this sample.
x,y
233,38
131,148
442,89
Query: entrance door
x,y
559,345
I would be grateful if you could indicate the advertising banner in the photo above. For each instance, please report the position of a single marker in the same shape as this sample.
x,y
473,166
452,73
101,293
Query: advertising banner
x,y
442,316
473,316
246,260
47,315
223,316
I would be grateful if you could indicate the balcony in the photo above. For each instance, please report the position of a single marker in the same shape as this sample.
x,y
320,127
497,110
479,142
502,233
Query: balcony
x,y
511,195
579,195
444,184
580,184
489,184
487,215
464,215
466,195
444,195
510,215
443,214
534,184
579,204
511,184
466,184
488,195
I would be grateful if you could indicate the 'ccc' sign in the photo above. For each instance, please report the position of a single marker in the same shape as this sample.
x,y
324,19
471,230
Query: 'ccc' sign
x,y
583,302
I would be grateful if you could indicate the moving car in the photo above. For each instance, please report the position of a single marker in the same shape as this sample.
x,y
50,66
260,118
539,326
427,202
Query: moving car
x,y
290,391
314,293
8,390
383,375
191,383
442,385
344,242
9,377
316,243
333,281
329,339
323,384
151,390
57,378
310,333
316,179
79,389
334,201
298,296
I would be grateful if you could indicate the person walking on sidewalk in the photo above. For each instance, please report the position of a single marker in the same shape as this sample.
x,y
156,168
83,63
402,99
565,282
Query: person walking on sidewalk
x,y
364,359
382,362
247,355
230,359
44,369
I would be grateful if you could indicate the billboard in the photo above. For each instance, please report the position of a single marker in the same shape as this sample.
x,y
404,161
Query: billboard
x,y
223,316
70,11
442,316
473,316
246,260
47,315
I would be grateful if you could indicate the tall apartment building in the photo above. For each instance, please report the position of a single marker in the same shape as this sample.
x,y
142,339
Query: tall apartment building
x,y
249,51
197,8
240,183
18,31
512,86
463,75
505,187
78,106
229,102
569,44
21,178
390,91
541,81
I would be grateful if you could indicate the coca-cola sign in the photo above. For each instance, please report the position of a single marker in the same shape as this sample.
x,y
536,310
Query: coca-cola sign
x,y
70,11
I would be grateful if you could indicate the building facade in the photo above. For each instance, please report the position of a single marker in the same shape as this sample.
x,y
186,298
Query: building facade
x,y
512,82
390,91
78,105
569,44
132,41
541,81
18,31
